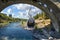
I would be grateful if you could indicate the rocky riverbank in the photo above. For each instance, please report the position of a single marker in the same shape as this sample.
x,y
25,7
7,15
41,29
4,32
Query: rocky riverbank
x,y
44,34
42,23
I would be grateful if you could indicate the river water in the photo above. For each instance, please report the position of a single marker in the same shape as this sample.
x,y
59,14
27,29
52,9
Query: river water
x,y
14,31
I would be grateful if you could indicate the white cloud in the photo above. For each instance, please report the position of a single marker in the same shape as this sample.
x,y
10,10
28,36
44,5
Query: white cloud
x,y
20,13
23,15
33,10
13,14
21,6
9,10
3,12
26,7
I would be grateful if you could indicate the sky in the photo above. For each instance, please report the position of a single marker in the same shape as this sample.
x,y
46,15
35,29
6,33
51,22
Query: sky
x,y
21,10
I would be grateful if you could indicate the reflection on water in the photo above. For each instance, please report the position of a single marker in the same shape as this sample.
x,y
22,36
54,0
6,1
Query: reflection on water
x,y
13,31
7,38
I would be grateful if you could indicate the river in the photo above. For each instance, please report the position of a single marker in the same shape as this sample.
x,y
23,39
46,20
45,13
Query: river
x,y
13,31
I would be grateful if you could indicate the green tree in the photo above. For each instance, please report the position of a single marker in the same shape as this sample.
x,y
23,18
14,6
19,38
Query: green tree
x,y
43,15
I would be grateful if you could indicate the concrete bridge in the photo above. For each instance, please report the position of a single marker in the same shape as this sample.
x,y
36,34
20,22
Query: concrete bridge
x,y
50,7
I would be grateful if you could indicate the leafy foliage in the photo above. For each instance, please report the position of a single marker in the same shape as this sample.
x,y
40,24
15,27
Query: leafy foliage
x,y
5,18
41,15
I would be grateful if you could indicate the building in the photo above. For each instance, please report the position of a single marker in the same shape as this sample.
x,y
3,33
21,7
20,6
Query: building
x,y
10,15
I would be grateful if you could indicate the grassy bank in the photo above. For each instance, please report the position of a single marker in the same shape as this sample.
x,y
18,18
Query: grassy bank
x,y
3,24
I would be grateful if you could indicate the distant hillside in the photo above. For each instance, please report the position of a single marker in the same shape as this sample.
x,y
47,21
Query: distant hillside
x,y
5,18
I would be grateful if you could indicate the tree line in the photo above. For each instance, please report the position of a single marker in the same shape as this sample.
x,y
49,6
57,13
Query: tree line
x,y
41,15
5,18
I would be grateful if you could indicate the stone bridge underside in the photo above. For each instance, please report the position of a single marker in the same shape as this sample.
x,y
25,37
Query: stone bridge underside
x,y
49,6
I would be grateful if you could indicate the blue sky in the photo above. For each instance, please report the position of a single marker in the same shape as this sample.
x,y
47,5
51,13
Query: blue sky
x,y
21,10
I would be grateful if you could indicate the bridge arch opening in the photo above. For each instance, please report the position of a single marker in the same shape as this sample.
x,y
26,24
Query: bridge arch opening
x,y
45,8
34,10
